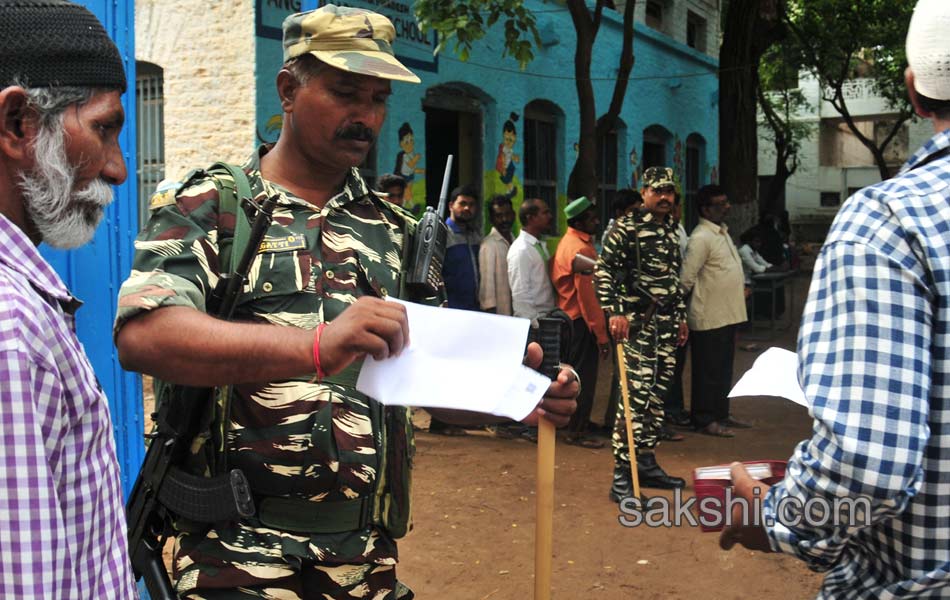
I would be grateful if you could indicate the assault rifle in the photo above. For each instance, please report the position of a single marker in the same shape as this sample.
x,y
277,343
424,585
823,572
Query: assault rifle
x,y
163,491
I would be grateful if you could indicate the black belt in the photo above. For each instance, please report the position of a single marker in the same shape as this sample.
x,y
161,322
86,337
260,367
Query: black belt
x,y
307,516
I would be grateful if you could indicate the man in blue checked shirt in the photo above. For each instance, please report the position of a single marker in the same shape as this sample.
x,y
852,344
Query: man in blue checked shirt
x,y
866,498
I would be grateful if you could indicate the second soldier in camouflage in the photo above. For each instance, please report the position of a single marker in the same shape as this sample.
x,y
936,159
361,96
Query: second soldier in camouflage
x,y
637,282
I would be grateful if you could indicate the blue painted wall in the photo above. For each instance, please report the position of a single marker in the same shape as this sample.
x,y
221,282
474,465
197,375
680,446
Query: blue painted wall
x,y
94,272
672,86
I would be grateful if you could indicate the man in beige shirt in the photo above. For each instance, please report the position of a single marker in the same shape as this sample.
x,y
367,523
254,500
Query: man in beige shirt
x,y
494,292
713,271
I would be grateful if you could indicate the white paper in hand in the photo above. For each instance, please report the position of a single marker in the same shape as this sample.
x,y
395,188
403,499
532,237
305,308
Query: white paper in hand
x,y
774,373
458,359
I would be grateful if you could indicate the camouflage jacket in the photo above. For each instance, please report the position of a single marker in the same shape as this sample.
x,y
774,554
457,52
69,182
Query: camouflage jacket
x,y
640,259
293,438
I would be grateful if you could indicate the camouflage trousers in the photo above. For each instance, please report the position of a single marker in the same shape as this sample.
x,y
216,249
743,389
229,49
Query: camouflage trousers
x,y
651,361
217,566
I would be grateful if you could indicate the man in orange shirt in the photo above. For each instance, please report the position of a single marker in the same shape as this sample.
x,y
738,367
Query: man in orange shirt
x,y
572,274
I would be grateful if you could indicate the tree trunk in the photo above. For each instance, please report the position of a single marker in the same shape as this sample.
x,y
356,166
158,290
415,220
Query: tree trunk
x,y
751,26
583,178
773,203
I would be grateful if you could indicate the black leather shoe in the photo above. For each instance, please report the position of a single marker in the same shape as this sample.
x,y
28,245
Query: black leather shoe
x,y
651,475
680,420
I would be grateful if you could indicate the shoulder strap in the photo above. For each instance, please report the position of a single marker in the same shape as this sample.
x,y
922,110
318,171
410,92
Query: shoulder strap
x,y
636,247
933,157
230,202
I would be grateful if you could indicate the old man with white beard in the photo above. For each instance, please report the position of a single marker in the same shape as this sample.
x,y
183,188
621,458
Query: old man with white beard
x,y
61,511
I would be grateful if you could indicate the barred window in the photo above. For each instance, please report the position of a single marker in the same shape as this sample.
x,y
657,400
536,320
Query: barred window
x,y
150,132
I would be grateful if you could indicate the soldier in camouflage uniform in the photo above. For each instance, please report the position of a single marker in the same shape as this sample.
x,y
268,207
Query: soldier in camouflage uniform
x,y
637,282
329,467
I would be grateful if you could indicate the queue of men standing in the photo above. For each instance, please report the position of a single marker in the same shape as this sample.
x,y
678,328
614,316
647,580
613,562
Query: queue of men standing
x,y
652,286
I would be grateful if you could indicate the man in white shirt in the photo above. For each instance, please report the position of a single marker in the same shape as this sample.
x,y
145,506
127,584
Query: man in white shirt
x,y
752,262
713,272
528,274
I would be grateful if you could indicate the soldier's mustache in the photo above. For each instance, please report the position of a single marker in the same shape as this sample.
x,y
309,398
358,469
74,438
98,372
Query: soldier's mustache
x,y
356,131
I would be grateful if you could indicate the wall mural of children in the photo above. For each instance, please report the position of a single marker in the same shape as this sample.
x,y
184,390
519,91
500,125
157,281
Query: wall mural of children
x,y
505,163
407,159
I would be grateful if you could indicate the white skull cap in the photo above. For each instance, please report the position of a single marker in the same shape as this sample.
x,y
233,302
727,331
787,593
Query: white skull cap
x,y
928,48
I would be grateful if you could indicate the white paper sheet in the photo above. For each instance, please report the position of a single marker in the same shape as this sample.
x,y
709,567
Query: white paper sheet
x,y
458,359
774,373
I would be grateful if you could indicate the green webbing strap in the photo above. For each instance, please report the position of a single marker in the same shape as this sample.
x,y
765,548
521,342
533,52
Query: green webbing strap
x,y
232,204
230,201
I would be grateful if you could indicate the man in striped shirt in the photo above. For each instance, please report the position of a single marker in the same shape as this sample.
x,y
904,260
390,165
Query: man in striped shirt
x,y
865,498
62,522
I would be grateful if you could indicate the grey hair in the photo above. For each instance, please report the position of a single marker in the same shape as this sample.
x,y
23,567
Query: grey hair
x,y
305,67
50,102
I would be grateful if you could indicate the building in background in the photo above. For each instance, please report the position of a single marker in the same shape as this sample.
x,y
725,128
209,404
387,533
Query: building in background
x,y
511,131
833,162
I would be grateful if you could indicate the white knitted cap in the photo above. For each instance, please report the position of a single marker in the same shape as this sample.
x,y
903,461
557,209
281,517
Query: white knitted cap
x,y
928,48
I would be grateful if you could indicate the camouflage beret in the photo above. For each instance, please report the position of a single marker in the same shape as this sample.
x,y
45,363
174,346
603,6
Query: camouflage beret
x,y
351,39
657,177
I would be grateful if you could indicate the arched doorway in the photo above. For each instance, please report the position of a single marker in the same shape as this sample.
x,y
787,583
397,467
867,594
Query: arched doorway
x,y
694,177
608,150
454,125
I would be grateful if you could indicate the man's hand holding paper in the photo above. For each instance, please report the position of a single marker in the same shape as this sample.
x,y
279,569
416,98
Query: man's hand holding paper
x,y
468,361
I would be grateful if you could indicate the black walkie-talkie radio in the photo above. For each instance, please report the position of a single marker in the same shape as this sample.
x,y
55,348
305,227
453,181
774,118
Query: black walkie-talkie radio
x,y
429,251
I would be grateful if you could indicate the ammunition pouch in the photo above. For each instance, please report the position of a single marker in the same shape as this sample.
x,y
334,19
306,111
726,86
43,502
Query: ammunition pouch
x,y
200,500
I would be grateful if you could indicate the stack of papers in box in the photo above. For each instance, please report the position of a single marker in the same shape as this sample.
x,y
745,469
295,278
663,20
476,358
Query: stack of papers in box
x,y
755,470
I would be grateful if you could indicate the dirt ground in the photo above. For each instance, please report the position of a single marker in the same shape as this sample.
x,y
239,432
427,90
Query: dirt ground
x,y
474,513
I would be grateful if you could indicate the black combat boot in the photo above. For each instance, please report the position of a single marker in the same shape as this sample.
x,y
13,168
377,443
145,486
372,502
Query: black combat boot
x,y
651,475
622,486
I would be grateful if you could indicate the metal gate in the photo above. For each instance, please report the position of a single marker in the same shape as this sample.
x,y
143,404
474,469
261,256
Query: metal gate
x,y
94,272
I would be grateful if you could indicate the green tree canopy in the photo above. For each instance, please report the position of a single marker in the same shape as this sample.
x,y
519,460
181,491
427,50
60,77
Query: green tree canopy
x,y
842,40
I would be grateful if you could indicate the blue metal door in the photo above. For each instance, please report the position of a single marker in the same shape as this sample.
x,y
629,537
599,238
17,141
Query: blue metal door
x,y
94,272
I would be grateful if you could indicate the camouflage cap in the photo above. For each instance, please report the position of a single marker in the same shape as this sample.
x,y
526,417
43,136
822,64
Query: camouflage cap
x,y
657,177
351,39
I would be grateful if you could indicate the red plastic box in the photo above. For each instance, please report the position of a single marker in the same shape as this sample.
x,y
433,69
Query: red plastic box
x,y
711,482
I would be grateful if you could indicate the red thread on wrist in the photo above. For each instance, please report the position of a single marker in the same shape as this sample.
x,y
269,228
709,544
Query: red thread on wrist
x,y
316,352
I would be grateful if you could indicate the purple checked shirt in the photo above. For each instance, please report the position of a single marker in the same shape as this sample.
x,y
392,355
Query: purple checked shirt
x,y
62,523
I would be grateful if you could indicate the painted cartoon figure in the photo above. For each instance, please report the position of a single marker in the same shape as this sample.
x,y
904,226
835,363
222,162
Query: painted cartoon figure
x,y
407,160
678,158
505,163
634,170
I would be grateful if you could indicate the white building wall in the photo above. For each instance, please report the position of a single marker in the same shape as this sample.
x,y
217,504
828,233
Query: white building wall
x,y
803,190
207,52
